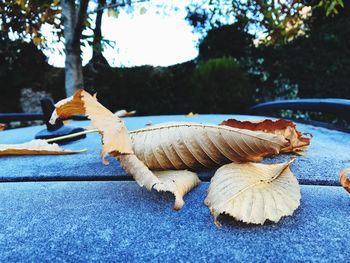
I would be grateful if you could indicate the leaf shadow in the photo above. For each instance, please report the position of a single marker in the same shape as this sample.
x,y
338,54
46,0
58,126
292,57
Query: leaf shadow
x,y
229,221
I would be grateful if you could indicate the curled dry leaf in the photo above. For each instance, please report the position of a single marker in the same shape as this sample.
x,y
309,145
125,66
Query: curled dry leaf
x,y
116,142
184,182
124,113
298,141
196,146
253,193
344,180
34,147
177,182
115,138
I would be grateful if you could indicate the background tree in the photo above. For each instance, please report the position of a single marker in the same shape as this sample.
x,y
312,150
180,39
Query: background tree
x,y
313,64
318,62
226,40
278,21
73,17
24,19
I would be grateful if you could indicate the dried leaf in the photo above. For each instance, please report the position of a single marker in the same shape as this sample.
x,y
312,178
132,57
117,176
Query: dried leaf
x,y
124,113
253,193
2,126
344,180
191,114
184,181
174,145
34,147
177,182
115,138
298,141
196,146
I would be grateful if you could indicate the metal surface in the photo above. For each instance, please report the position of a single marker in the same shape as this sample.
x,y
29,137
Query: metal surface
x,y
339,107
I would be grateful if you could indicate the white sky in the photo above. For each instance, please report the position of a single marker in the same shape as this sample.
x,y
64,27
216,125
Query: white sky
x,y
155,38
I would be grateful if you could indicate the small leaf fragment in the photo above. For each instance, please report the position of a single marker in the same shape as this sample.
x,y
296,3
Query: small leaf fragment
x,y
143,10
177,182
298,141
253,193
344,180
124,113
34,147
191,114
2,126
184,181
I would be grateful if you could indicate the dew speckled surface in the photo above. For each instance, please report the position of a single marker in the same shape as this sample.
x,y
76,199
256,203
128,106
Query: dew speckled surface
x,y
119,221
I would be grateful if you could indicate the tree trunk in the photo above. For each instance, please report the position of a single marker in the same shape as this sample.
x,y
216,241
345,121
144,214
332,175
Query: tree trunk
x,y
73,72
73,27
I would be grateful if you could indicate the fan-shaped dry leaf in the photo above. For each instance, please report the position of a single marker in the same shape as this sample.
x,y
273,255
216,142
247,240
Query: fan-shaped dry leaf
x,y
196,146
115,138
124,113
177,182
253,193
344,180
35,147
298,141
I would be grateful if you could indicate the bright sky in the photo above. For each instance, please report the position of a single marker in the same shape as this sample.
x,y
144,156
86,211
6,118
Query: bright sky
x,y
157,37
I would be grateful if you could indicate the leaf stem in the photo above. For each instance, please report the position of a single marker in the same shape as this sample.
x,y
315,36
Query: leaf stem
x,y
70,135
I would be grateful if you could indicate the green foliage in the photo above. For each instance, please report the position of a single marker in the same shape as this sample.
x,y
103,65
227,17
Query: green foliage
x,y
26,17
331,6
319,62
265,78
149,90
220,86
280,21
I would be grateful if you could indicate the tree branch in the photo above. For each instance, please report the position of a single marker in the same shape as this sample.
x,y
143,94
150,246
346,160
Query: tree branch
x,y
69,21
117,5
79,24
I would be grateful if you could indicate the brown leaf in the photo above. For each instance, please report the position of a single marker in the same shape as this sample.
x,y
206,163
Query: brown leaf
x,y
196,146
298,141
124,113
2,126
253,193
115,138
344,180
35,147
